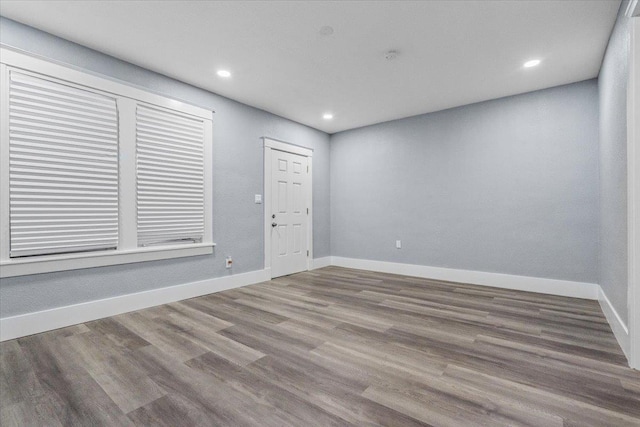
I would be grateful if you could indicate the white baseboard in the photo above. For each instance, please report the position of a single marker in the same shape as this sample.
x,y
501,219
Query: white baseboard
x,y
566,288
498,280
321,262
618,326
32,323
47,320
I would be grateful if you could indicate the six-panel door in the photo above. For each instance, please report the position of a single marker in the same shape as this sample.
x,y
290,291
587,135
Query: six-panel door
x,y
289,216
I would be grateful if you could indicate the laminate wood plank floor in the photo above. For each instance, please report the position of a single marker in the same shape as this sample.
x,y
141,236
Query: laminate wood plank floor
x,y
329,347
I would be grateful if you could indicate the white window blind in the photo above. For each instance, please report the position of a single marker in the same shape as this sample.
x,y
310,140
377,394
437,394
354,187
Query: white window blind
x,y
170,177
94,172
63,168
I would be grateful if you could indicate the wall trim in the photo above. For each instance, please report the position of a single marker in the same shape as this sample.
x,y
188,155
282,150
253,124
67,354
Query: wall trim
x,y
320,263
497,280
47,320
75,261
289,147
540,285
126,98
633,192
620,330
633,9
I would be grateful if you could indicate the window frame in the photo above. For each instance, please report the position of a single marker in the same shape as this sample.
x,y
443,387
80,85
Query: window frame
x,y
127,98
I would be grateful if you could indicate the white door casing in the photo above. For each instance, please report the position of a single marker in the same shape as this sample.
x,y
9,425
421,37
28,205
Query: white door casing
x,y
287,208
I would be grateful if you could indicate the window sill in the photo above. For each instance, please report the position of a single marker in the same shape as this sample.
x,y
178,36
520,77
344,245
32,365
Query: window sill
x,y
63,262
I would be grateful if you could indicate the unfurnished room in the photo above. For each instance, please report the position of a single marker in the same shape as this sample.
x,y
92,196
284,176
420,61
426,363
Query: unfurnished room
x,y
320,213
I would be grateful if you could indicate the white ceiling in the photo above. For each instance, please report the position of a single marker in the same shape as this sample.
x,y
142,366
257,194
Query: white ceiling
x,y
450,53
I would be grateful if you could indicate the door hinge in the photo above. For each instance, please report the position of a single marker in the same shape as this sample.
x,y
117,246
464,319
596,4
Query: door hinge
x,y
307,253
307,168
307,211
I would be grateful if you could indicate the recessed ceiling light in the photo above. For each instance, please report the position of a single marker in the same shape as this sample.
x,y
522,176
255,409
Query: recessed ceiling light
x,y
531,63
327,116
224,73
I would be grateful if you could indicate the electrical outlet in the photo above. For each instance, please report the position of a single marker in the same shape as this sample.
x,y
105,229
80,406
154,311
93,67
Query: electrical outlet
x,y
228,262
398,244
258,199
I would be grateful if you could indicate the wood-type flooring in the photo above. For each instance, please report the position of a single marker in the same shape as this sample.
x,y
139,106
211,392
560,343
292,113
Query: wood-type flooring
x,y
329,347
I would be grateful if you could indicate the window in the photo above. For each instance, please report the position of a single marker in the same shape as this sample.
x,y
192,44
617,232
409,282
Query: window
x,y
95,172
63,173
170,173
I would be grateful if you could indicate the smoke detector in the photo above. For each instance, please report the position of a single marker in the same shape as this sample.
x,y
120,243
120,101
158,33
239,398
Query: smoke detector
x,y
326,30
391,55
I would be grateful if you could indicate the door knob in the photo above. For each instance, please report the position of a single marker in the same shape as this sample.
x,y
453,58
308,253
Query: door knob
x,y
273,224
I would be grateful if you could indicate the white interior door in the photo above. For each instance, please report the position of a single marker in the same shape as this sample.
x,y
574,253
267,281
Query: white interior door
x,y
289,213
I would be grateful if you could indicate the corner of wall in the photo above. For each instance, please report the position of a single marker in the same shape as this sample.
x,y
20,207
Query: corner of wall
x,y
618,326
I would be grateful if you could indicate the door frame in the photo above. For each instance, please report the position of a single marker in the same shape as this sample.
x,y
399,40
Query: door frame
x,y
269,145
633,184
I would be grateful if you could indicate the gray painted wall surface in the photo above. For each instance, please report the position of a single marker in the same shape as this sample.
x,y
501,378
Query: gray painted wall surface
x,y
238,175
612,85
507,186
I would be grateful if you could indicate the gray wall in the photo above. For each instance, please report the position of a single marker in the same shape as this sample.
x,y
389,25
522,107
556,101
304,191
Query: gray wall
x,y
238,175
612,86
507,186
